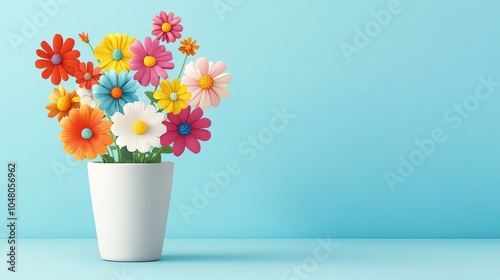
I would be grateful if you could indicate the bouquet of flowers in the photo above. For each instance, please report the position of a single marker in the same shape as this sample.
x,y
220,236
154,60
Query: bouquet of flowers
x,y
103,116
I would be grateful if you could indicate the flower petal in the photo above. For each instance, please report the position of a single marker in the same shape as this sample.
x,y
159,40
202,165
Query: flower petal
x,y
218,69
195,115
179,146
205,100
221,90
202,64
192,71
214,98
201,123
223,79
57,43
184,114
192,144
201,134
67,46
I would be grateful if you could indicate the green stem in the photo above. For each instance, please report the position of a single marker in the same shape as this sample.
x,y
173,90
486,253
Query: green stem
x,y
110,152
154,154
118,152
116,145
182,68
151,155
91,48
156,87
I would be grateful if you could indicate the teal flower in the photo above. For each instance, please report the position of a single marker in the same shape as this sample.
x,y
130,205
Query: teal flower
x,y
114,91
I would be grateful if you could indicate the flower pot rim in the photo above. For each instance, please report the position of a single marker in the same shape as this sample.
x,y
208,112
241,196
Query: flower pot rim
x,y
119,163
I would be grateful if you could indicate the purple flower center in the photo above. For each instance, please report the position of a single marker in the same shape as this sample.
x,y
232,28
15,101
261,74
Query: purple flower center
x,y
184,129
56,59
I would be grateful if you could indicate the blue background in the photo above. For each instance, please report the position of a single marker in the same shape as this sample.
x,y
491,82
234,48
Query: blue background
x,y
324,173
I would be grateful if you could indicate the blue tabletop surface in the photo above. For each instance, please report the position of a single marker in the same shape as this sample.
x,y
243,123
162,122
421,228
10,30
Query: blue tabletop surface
x,y
340,259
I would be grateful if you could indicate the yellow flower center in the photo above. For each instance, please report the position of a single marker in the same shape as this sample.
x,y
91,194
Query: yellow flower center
x,y
188,48
63,103
140,127
149,61
166,27
206,82
116,92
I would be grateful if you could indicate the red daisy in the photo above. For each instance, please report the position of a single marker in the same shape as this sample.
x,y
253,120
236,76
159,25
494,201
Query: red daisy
x,y
86,75
60,61
185,130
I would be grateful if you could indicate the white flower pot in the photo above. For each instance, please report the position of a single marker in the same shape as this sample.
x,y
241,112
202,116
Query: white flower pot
x,y
130,203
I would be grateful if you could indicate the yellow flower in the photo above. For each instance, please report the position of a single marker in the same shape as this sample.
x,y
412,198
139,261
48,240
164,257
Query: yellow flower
x,y
63,102
113,52
173,96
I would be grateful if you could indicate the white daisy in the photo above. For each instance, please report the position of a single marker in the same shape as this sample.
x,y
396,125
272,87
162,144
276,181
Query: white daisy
x,y
86,97
139,127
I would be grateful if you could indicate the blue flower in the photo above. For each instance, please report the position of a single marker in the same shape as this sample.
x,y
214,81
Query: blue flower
x,y
114,91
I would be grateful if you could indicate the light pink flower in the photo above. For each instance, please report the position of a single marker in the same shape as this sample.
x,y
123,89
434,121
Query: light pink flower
x,y
150,60
186,130
206,82
167,27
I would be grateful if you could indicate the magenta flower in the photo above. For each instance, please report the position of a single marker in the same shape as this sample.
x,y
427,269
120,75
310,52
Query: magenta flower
x,y
185,130
166,27
150,60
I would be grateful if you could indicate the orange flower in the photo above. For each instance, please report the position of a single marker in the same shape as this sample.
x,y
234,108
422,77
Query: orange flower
x,y
63,102
60,61
85,133
188,46
84,37
86,75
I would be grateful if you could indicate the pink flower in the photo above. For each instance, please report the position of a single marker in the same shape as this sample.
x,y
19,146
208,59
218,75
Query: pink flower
x,y
185,129
151,60
206,82
166,27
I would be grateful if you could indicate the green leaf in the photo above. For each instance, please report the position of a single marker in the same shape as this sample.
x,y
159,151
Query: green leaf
x,y
150,94
126,155
156,159
166,150
107,159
